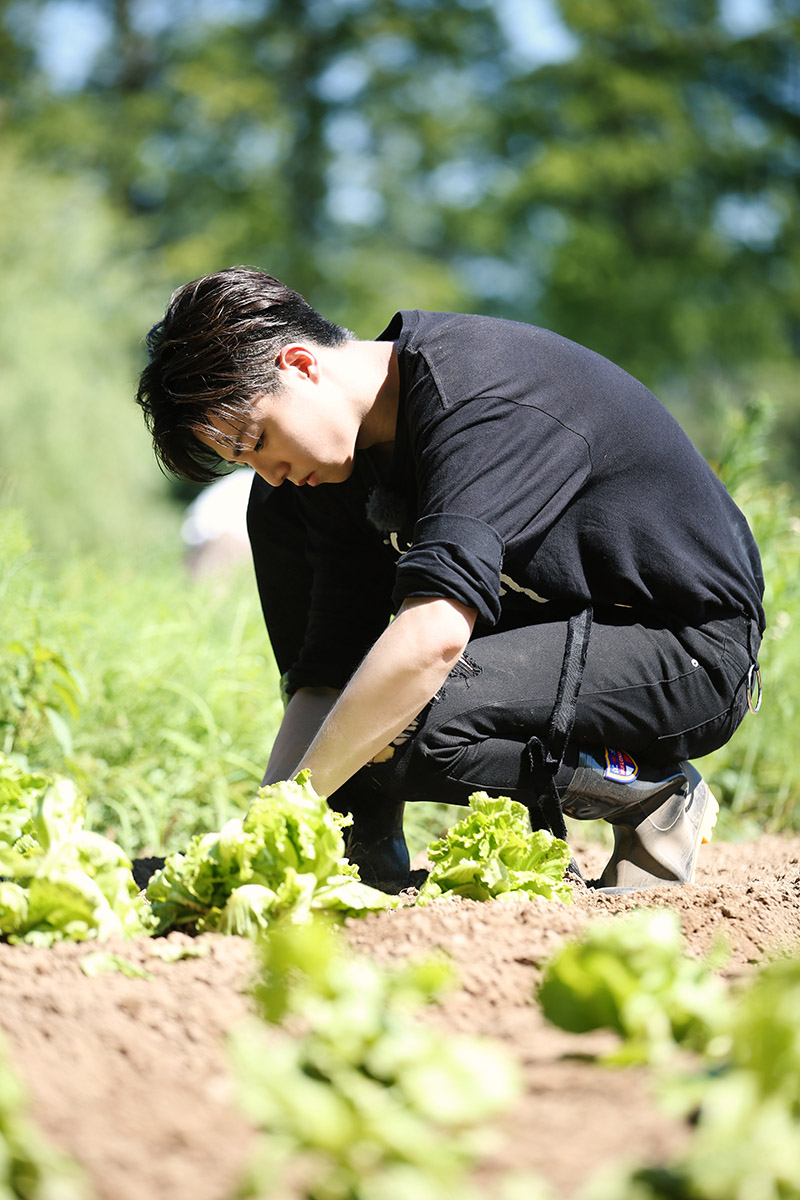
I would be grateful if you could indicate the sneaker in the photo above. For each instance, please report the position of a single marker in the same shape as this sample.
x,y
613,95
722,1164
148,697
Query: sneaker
x,y
660,847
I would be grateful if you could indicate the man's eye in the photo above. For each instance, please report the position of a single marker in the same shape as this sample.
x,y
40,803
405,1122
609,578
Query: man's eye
x,y
259,444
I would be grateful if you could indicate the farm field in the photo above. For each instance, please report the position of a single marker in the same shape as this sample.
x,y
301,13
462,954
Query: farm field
x,y
131,1075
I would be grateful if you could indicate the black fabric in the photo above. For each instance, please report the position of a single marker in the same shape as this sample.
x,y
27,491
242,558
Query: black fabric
x,y
594,489
453,554
283,572
546,755
324,576
531,480
662,695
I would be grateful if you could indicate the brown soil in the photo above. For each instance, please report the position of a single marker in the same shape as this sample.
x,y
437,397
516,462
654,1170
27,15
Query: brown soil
x,y
131,1077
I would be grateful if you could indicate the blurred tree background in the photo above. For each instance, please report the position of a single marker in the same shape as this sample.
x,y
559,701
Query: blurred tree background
x,y
623,171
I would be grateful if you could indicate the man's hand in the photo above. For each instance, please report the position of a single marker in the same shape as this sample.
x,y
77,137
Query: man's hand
x,y
402,672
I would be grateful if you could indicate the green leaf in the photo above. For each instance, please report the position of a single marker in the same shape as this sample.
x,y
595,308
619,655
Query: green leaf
x,y
285,857
63,882
60,728
492,853
170,952
99,962
631,974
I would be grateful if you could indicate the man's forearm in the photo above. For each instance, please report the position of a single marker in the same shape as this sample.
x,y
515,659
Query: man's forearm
x,y
305,713
405,668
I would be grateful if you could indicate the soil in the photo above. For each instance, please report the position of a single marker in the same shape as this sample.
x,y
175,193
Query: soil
x,y
130,1076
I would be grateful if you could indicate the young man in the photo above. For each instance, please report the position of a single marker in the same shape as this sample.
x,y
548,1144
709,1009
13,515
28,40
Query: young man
x,y
576,600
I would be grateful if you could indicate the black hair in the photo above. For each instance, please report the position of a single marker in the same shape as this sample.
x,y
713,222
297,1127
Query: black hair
x,y
214,354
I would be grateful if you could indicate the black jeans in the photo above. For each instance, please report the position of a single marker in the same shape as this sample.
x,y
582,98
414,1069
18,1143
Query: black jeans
x,y
664,695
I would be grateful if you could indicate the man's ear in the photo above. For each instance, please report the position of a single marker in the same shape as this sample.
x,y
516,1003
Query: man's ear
x,y
300,359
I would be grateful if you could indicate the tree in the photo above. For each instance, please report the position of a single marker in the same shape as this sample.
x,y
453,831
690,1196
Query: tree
x,y
640,196
655,190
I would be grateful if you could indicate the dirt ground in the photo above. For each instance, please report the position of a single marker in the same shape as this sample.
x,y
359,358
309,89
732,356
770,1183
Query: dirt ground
x,y
130,1075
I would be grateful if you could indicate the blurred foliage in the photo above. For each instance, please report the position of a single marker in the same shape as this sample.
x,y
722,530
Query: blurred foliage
x,y
157,695
639,194
757,774
73,452
663,158
363,1100
739,1091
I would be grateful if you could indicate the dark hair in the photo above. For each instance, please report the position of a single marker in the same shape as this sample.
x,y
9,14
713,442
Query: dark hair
x,y
214,354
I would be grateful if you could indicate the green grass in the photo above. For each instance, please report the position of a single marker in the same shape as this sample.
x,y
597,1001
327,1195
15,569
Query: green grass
x,y
157,693
757,774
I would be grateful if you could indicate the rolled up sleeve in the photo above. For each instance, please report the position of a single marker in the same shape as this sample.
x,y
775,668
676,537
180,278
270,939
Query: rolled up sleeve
x,y
455,557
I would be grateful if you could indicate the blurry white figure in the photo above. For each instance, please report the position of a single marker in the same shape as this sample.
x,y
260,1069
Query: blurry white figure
x,y
214,529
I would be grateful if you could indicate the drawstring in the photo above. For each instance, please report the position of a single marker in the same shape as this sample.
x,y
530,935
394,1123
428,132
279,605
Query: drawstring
x,y
547,756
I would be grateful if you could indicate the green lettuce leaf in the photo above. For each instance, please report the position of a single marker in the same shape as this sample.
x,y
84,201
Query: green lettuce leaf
x,y
631,974
13,907
99,962
285,858
374,1100
491,853
19,791
61,881
58,814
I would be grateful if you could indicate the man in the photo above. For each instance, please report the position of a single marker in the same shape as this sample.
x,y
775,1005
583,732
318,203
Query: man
x,y
576,600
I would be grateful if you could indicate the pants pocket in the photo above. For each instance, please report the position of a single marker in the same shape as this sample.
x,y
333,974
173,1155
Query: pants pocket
x,y
718,705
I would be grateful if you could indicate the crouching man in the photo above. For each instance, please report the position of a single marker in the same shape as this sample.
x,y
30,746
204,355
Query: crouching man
x,y
487,557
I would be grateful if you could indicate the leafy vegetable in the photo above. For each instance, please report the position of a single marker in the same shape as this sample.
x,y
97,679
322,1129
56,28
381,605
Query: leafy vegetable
x,y
286,856
59,880
745,1109
364,1098
29,1168
491,853
631,974
171,952
765,1031
19,790
100,962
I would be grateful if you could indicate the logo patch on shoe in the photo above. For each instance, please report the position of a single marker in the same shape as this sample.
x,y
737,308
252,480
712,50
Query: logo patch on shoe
x,y
620,766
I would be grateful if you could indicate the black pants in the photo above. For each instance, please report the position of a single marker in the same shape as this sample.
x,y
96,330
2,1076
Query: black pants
x,y
662,694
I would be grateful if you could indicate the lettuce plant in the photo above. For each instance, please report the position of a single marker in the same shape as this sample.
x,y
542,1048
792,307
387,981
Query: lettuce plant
x,y
744,1105
285,856
631,974
59,881
491,853
363,1101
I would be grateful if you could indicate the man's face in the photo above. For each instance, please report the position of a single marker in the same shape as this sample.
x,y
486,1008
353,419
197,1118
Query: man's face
x,y
305,432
